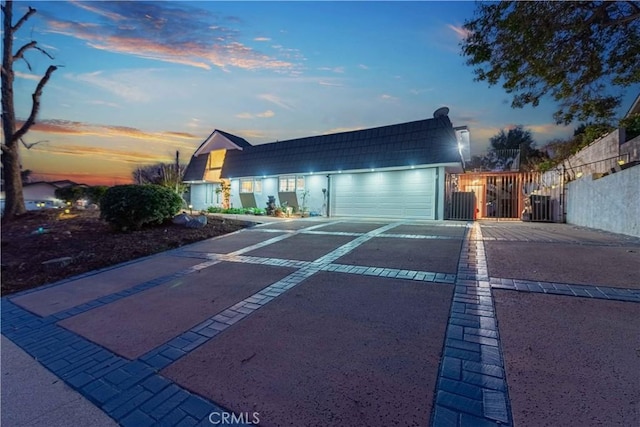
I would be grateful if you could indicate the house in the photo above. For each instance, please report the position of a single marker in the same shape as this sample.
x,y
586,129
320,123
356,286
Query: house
x,y
41,194
390,171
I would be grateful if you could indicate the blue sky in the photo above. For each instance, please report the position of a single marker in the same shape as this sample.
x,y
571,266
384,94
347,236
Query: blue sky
x,y
140,80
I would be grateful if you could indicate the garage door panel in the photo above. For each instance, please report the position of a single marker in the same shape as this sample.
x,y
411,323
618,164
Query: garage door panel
x,y
408,193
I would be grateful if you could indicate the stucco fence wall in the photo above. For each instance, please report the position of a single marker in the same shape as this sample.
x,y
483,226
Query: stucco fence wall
x,y
611,203
587,160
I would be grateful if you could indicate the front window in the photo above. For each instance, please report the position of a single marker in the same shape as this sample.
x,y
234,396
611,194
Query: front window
x,y
246,186
300,183
257,186
287,184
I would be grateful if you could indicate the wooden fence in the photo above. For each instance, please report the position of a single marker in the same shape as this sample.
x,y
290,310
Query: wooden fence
x,y
525,196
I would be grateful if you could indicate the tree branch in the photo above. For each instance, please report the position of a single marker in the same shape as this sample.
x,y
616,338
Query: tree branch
x,y
601,14
31,45
29,146
20,53
35,107
23,19
634,5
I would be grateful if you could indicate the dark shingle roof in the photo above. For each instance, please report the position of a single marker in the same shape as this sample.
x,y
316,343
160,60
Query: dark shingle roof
x,y
196,168
415,143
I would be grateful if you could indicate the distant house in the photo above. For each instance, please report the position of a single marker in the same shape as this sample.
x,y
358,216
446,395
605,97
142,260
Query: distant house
x,y
390,171
43,192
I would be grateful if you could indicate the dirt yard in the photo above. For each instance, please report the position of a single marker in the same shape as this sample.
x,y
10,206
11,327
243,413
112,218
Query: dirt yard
x,y
40,236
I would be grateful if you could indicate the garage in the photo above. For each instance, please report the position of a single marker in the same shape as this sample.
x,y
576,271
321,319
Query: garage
x,y
407,193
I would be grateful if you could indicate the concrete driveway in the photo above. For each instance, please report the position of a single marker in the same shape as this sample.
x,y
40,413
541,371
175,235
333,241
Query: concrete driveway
x,y
351,322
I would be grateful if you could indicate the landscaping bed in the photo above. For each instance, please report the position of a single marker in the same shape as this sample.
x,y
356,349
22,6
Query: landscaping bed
x,y
80,241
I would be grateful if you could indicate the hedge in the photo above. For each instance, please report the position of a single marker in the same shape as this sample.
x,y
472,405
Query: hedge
x,y
129,207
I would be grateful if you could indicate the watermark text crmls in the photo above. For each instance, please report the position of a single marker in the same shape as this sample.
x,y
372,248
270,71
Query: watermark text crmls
x,y
222,418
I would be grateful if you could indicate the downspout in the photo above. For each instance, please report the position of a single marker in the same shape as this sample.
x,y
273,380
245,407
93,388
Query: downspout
x,y
328,196
437,195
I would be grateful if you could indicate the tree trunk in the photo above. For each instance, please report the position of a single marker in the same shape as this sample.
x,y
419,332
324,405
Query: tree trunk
x,y
14,199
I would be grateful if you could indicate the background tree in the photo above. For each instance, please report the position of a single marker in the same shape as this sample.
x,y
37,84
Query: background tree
x,y
25,175
71,193
583,54
163,174
13,136
511,149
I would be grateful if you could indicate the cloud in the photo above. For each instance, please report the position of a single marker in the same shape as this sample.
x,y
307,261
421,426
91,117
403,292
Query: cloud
x,y
263,115
88,178
388,97
363,67
67,127
546,129
274,99
27,76
341,130
105,103
117,85
460,31
261,39
339,70
166,31
326,83
109,154
266,114
419,91
194,123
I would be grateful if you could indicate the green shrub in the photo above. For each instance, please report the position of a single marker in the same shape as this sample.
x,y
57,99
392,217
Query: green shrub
x,y
95,193
129,207
70,193
214,209
631,125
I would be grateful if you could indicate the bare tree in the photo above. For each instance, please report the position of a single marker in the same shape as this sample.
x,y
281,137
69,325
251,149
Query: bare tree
x,y
14,202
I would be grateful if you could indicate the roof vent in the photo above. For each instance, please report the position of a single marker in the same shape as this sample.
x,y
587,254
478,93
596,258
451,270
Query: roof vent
x,y
441,112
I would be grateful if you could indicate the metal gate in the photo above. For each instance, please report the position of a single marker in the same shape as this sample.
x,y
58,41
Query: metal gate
x,y
501,195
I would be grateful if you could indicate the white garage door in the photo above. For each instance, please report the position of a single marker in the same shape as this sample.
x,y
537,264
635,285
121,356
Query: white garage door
x,y
401,194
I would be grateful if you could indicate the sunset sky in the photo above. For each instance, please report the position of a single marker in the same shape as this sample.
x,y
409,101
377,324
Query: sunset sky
x,y
139,80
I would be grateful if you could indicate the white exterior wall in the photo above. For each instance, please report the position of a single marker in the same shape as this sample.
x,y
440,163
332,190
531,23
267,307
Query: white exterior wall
x,y
313,183
234,198
204,195
315,199
611,203
269,188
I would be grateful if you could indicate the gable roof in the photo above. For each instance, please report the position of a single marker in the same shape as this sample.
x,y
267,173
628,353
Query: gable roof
x,y
422,142
218,140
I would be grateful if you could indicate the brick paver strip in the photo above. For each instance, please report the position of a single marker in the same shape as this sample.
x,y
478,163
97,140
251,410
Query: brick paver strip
x,y
585,291
472,388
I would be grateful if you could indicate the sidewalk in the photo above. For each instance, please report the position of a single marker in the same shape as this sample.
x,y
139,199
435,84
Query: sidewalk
x,y
33,396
